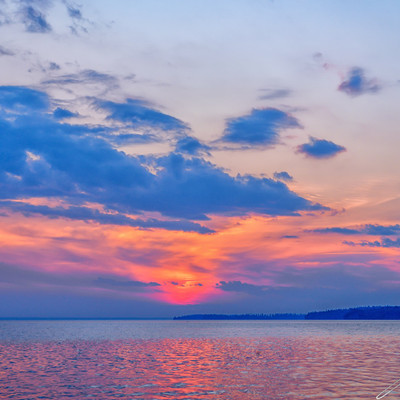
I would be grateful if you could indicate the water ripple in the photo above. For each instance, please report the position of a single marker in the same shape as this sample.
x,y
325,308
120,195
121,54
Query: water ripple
x,y
339,366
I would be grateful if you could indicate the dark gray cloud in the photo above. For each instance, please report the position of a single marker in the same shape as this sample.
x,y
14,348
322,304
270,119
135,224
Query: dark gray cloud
x,y
151,257
192,146
82,213
34,19
53,66
356,84
40,157
320,148
138,114
208,188
79,24
384,242
368,229
73,11
84,77
123,283
33,14
342,231
387,230
29,277
259,128
294,289
4,17
273,94
283,176
19,275
241,287
32,294
337,278
6,52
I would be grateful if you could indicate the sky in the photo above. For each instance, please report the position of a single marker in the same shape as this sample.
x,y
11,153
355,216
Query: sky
x,y
161,158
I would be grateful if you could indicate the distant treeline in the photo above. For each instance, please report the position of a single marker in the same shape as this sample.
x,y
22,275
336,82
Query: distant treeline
x,y
376,312
385,312
239,316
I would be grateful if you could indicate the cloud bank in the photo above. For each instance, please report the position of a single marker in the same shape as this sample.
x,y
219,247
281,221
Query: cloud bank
x,y
43,156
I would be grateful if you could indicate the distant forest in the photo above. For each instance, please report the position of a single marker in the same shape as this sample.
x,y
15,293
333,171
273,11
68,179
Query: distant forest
x,y
385,312
239,316
369,313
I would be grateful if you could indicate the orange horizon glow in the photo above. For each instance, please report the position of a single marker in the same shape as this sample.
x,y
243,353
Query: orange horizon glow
x,y
186,266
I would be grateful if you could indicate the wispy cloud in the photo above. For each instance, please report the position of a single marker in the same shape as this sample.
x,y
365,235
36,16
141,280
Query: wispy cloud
x,y
82,77
139,113
73,10
29,277
384,242
356,83
34,15
34,19
273,94
6,52
283,176
368,229
109,282
87,214
241,287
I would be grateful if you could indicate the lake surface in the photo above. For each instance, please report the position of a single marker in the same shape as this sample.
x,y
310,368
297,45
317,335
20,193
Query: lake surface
x,y
198,359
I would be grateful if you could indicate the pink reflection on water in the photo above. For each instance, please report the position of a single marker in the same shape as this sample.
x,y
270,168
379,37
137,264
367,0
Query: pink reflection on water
x,y
342,367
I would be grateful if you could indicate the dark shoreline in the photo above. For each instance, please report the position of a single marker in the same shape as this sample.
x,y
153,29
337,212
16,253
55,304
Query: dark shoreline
x,y
356,313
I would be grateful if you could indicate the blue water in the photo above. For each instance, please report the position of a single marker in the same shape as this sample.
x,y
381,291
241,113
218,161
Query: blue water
x,y
238,360
157,329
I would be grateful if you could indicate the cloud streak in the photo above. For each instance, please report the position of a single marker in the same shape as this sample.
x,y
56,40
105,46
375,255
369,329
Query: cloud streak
x,y
87,214
273,94
384,242
34,20
29,277
368,229
87,76
139,114
6,52
241,287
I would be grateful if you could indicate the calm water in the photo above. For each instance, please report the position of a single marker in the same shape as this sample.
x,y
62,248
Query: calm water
x,y
198,360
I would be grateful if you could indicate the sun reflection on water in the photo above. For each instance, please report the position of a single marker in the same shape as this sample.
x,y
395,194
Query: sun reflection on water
x,y
343,367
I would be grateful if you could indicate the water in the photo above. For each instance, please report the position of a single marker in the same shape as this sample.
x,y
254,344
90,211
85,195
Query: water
x,y
238,360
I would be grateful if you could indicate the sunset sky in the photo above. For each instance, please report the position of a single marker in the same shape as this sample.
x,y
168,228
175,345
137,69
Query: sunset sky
x,y
160,158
